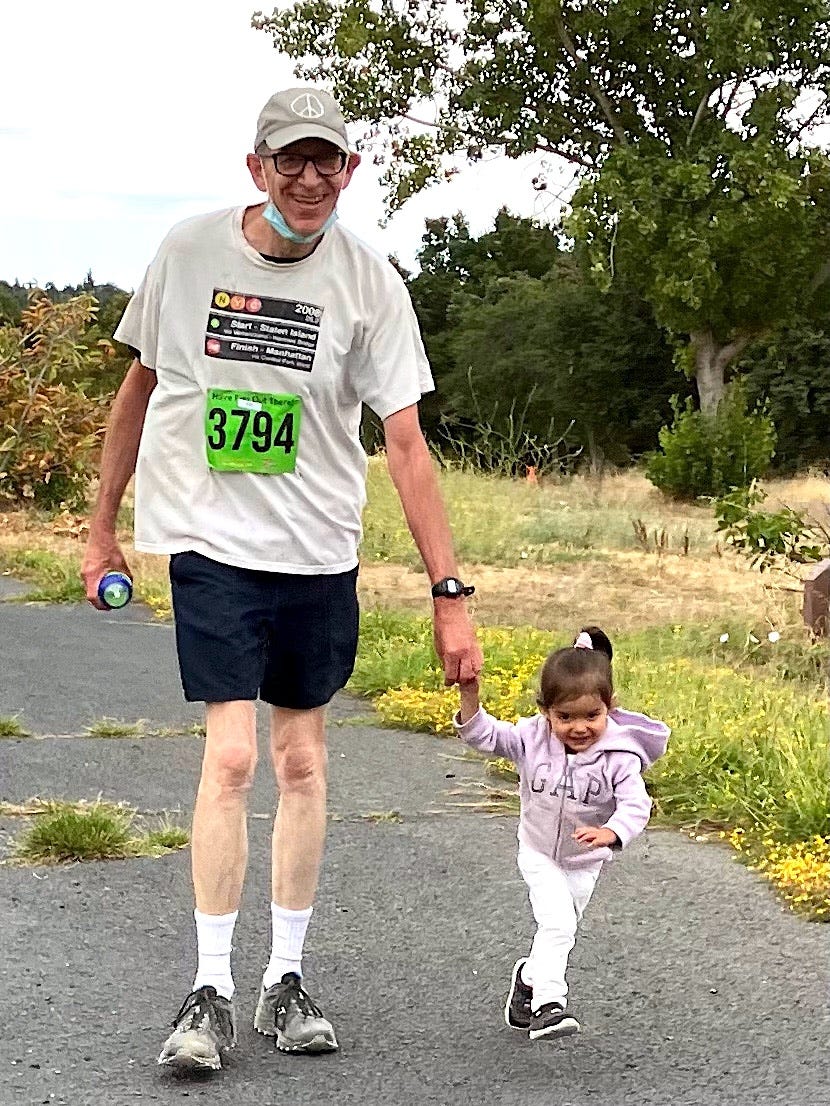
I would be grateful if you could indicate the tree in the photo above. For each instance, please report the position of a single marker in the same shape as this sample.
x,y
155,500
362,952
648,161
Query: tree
x,y
688,124
593,365
451,261
790,371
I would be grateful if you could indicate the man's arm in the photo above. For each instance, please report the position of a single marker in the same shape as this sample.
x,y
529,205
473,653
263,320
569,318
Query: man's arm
x,y
413,474
126,422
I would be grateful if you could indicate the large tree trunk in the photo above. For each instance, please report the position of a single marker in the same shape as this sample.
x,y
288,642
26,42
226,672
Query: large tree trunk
x,y
711,360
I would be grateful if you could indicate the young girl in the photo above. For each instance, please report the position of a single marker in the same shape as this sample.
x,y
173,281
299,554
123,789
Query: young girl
x,y
582,795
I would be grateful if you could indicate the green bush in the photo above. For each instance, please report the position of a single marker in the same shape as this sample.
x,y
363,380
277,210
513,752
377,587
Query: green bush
x,y
770,538
704,454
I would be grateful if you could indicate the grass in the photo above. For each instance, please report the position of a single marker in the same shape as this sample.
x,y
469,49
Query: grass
x,y
571,538
703,641
54,577
115,727
548,522
63,832
10,727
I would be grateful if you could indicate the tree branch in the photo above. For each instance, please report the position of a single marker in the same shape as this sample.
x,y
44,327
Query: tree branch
x,y
809,121
701,109
599,96
543,147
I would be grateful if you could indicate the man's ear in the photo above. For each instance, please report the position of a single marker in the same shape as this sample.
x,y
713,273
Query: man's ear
x,y
254,164
351,165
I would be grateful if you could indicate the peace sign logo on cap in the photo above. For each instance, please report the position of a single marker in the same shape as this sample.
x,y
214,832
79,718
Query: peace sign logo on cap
x,y
308,106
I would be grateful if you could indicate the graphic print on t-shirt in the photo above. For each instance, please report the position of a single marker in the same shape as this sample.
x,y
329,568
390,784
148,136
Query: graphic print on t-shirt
x,y
243,327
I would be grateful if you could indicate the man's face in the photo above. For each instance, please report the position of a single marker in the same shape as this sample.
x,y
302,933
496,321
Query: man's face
x,y
307,200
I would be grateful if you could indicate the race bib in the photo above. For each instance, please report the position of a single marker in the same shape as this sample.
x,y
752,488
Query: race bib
x,y
252,431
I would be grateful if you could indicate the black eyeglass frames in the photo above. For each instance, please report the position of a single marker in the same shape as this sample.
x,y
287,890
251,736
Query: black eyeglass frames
x,y
293,165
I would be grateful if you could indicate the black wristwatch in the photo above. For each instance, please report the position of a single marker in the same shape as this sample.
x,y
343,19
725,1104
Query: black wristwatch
x,y
451,588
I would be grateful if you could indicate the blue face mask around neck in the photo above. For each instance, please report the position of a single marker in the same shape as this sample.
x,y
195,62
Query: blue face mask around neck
x,y
274,216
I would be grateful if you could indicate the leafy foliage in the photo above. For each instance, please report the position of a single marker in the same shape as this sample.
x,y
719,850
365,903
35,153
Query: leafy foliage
x,y
688,125
790,372
706,454
49,426
770,538
519,337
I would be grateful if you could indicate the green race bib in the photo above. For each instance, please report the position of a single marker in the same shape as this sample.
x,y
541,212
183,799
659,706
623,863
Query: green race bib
x,y
252,431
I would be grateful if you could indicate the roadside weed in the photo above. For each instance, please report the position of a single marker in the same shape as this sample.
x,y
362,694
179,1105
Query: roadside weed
x,y
64,832
10,727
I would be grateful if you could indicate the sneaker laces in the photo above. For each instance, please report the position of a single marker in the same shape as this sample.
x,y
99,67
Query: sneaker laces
x,y
203,1005
293,990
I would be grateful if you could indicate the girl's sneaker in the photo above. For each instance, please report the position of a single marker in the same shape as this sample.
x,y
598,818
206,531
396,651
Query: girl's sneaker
x,y
517,1007
551,1020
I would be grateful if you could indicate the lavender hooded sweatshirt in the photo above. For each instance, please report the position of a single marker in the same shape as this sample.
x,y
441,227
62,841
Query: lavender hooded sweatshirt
x,y
560,791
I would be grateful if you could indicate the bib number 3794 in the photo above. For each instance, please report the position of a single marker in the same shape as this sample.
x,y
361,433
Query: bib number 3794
x,y
252,431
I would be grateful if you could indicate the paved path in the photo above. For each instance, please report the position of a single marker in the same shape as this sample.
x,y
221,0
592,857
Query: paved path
x,y
694,987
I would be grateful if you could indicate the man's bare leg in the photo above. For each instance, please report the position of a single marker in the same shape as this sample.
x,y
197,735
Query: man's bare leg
x,y
206,1025
298,749
219,853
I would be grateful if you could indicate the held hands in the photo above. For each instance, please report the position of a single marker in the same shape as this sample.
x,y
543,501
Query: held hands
x,y
455,642
595,836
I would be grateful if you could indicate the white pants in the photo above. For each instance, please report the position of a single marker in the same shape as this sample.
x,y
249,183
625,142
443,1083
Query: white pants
x,y
558,897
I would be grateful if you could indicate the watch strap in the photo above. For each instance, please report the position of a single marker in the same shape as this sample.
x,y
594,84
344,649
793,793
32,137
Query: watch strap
x,y
451,588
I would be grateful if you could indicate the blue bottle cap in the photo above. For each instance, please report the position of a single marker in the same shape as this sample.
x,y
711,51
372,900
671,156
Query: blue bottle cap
x,y
115,590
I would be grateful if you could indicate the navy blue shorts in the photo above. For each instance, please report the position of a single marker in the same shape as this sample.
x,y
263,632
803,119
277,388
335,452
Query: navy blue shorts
x,y
245,634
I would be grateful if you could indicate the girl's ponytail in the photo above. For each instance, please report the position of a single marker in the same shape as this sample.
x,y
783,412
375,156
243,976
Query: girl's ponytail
x,y
599,640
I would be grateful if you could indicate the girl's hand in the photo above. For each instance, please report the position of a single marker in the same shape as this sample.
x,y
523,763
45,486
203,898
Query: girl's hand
x,y
469,699
595,836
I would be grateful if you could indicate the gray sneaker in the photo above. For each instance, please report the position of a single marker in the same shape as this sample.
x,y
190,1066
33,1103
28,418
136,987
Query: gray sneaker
x,y
286,1012
203,1030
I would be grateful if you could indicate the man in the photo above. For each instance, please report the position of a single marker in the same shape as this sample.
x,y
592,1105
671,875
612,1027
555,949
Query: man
x,y
258,334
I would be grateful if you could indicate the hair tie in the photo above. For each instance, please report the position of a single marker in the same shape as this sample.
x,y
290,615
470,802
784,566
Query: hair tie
x,y
583,641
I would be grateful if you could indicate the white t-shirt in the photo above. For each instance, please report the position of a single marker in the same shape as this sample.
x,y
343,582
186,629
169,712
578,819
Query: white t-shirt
x,y
336,329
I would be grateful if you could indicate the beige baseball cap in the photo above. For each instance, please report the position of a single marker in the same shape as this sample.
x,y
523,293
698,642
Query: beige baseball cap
x,y
297,113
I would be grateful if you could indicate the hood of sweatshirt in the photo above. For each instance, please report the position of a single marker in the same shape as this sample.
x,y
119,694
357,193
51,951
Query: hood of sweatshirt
x,y
629,732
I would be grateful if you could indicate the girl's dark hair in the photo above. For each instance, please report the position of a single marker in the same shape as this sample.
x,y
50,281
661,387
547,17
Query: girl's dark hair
x,y
569,673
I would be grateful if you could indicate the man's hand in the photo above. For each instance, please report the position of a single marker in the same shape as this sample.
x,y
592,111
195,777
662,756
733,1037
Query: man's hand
x,y
102,554
455,641
595,836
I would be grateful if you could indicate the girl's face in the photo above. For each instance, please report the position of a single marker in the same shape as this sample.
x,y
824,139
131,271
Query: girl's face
x,y
578,723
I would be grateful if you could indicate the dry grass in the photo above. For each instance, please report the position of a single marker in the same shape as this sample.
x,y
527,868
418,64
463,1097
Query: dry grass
x,y
626,592
622,588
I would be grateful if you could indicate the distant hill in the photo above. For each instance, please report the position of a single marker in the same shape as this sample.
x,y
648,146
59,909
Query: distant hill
x,y
13,297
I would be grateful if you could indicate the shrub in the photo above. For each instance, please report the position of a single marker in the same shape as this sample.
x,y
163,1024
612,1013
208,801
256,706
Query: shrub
x,y
770,538
704,454
49,426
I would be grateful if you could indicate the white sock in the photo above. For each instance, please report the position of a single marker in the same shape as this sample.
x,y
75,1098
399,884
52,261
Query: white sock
x,y
214,933
288,928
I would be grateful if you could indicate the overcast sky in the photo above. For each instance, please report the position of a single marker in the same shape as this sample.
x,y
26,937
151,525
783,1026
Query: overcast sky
x,y
119,119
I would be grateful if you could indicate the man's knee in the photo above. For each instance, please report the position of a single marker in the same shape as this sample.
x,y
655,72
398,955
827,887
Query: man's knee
x,y
229,767
301,768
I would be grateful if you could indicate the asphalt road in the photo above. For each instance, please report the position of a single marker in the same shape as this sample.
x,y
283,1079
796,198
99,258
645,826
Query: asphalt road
x,y
693,985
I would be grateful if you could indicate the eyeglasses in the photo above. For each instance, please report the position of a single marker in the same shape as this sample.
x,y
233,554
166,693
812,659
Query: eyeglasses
x,y
293,165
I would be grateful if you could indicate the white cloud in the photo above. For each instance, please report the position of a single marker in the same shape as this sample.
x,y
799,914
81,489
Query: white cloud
x,y
117,120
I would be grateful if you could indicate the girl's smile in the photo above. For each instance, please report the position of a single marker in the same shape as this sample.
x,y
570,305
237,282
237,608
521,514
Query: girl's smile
x,y
578,723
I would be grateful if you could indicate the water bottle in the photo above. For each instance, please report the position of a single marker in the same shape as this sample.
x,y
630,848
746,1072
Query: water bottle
x,y
115,590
